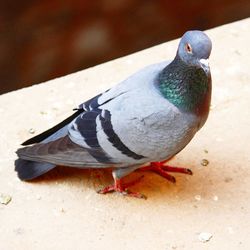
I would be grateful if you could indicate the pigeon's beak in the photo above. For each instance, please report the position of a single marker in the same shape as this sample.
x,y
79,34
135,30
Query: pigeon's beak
x,y
204,64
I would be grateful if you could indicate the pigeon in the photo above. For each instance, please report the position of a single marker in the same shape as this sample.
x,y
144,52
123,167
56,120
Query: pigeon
x,y
139,124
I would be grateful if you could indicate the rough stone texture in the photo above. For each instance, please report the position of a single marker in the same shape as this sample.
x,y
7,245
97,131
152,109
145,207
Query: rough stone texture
x,y
209,210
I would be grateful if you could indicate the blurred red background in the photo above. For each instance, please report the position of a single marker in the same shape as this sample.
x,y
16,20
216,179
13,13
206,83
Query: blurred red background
x,y
41,40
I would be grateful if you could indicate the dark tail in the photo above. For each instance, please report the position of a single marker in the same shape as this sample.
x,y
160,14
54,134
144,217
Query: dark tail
x,y
28,170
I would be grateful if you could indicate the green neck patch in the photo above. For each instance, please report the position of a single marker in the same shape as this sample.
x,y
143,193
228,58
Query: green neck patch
x,y
184,86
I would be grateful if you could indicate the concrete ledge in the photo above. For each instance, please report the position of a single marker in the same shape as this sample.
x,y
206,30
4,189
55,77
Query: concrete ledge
x,y
62,209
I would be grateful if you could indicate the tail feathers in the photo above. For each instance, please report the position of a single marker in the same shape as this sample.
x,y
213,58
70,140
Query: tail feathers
x,y
28,170
64,152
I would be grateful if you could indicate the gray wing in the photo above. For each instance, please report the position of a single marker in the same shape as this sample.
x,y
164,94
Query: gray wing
x,y
81,146
97,129
76,141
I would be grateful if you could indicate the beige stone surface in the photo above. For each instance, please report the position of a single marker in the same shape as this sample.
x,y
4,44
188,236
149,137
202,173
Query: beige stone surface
x,y
62,209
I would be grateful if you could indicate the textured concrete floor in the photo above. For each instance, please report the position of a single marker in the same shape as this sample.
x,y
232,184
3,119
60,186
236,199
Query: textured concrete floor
x,y
62,209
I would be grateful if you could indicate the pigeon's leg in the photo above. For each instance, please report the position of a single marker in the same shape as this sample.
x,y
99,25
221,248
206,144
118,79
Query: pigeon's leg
x,y
162,169
120,187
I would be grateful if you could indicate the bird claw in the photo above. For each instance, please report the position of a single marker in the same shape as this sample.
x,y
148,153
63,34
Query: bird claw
x,y
127,192
157,167
161,169
123,188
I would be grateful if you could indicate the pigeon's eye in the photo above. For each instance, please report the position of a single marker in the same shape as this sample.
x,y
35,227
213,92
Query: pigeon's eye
x,y
188,48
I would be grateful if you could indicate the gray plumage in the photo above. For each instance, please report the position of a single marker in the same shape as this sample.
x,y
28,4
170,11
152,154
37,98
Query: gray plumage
x,y
129,125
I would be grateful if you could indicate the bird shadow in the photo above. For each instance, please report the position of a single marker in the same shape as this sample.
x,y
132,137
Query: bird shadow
x,y
152,185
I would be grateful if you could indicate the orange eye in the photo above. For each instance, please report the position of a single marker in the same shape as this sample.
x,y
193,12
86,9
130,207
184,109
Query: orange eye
x,y
188,48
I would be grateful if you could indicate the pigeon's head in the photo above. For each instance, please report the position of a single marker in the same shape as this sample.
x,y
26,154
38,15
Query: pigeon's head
x,y
195,48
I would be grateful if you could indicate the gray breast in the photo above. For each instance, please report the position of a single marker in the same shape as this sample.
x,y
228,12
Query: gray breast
x,y
151,127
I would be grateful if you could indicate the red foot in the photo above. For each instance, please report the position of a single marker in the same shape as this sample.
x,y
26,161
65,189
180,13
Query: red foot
x,y
122,188
161,169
